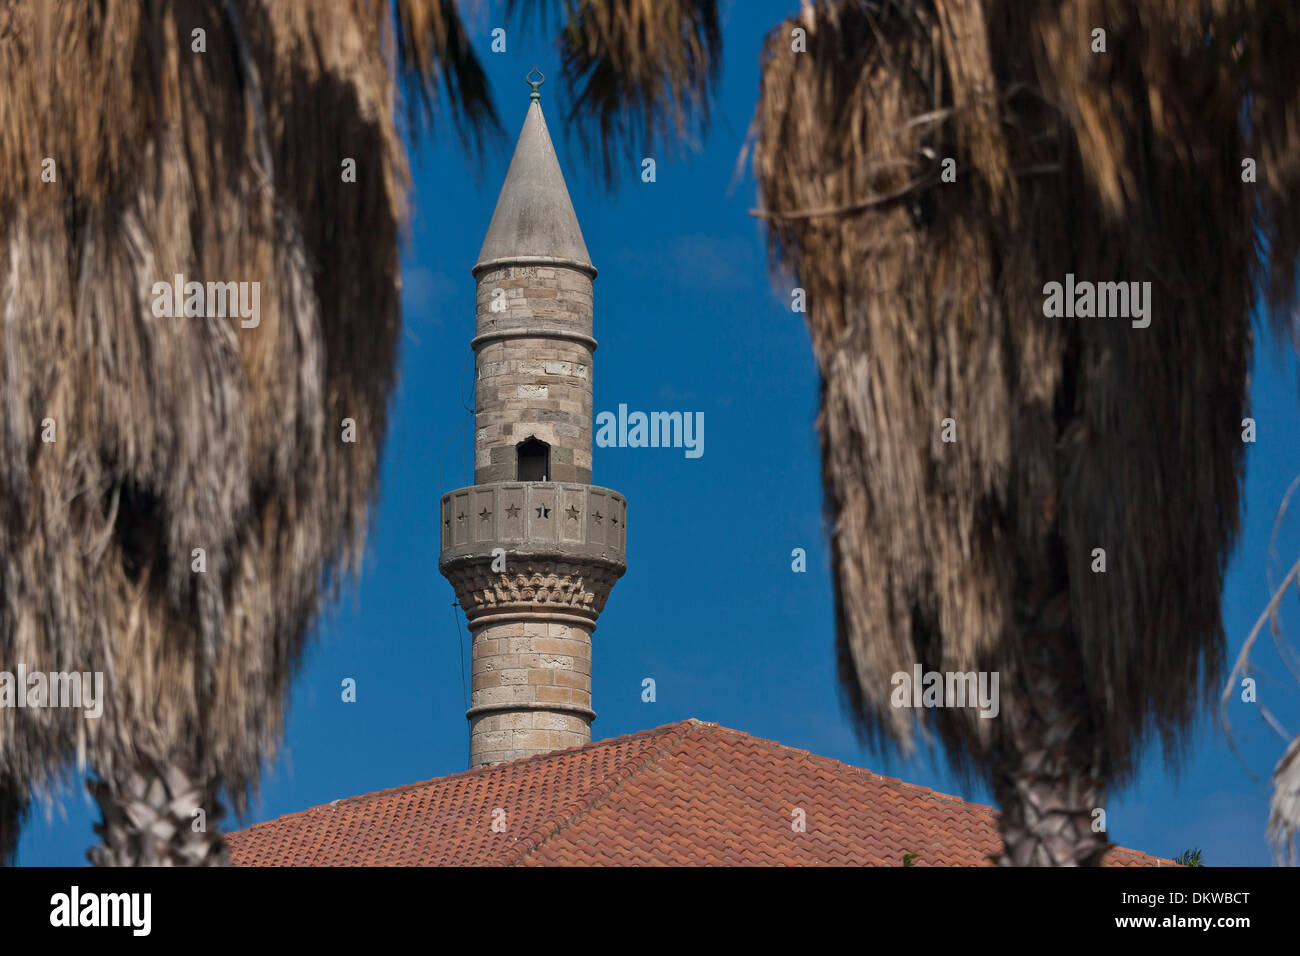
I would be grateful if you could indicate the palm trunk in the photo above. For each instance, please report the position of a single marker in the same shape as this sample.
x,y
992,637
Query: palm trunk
x,y
13,806
1047,777
150,819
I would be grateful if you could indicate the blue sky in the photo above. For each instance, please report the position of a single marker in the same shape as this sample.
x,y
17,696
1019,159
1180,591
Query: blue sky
x,y
688,319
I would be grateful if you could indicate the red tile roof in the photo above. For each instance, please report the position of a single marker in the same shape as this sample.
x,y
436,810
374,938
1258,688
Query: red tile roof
x,y
686,793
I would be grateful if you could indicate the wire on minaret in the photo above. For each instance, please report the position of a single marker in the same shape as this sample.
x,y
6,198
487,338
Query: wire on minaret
x,y
460,642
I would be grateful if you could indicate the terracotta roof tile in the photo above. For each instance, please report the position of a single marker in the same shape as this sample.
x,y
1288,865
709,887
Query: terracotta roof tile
x,y
686,793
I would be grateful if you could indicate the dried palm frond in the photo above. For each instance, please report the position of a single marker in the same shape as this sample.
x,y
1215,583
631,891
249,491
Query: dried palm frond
x,y
431,36
640,70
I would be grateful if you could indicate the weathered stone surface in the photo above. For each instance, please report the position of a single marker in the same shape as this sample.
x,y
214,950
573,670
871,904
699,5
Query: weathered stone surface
x,y
534,216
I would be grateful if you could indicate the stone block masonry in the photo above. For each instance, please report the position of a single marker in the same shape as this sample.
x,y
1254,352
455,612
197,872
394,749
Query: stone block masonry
x,y
531,690
533,369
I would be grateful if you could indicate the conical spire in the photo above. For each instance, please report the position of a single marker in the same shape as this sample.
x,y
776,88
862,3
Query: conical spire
x,y
534,218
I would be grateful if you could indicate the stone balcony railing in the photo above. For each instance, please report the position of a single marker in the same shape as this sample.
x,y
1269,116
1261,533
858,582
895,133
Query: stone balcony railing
x,y
534,517
565,546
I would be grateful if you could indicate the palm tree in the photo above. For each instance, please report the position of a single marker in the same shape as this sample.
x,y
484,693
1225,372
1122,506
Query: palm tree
x,y
1071,533
1134,164
1189,858
177,495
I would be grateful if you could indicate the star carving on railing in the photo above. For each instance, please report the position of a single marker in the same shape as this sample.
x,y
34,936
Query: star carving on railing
x,y
513,511
543,511
484,514
461,516
573,513
599,517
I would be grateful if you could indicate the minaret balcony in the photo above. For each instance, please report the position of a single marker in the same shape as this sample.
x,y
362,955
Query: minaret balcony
x,y
512,545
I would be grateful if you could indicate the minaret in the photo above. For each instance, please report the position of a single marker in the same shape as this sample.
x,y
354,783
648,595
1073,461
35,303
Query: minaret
x,y
532,548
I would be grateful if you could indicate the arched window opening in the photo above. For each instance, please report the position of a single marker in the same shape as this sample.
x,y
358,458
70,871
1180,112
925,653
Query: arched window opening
x,y
534,460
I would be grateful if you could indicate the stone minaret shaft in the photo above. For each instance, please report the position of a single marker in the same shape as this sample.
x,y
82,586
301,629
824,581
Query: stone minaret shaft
x,y
532,548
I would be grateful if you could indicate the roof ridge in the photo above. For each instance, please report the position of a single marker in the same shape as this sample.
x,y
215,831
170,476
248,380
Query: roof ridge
x,y
1114,848
389,791
543,833
820,758
900,783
